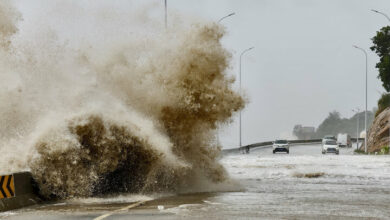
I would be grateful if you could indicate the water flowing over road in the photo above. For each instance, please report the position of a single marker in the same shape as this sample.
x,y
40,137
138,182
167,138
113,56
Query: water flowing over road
x,y
301,185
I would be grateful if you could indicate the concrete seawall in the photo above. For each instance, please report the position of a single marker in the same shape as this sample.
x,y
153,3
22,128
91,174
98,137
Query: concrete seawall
x,y
16,191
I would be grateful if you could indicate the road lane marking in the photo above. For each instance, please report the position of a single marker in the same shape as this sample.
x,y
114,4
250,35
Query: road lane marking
x,y
119,210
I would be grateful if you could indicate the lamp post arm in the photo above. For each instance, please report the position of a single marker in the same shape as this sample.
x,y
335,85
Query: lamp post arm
x,y
231,14
376,11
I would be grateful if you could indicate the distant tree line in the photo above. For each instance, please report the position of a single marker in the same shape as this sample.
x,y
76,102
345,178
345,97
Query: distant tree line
x,y
334,124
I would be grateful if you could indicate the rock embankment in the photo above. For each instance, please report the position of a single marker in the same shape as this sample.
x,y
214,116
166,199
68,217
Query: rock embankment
x,y
378,135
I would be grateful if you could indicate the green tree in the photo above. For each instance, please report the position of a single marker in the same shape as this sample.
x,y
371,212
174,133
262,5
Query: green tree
x,y
327,127
383,103
382,48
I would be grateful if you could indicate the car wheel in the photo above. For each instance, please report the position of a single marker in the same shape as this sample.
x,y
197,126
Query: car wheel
x,y
323,152
288,152
273,152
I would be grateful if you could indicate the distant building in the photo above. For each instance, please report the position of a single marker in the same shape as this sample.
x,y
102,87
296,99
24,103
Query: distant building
x,y
304,132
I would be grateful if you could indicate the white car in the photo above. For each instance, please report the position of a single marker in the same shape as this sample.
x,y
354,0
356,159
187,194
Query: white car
x,y
281,146
330,146
328,137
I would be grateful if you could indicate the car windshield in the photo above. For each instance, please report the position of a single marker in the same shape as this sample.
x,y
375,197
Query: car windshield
x,y
280,142
329,137
330,143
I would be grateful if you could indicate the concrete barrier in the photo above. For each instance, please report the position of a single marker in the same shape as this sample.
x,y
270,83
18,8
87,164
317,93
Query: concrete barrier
x,y
17,190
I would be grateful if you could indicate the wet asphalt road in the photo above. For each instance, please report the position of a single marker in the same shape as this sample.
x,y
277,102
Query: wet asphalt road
x,y
302,185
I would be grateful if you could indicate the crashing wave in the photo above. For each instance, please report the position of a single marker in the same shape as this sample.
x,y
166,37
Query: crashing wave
x,y
128,114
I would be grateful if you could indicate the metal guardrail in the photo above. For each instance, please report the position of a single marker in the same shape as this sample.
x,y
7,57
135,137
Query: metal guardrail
x,y
354,139
264,144
269,143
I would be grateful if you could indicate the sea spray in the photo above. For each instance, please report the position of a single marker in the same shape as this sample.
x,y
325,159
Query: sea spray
x,y
129,114
9,17
92,154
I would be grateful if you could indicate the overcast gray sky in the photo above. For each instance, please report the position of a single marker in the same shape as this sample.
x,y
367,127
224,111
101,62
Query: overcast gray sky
x,y
303,65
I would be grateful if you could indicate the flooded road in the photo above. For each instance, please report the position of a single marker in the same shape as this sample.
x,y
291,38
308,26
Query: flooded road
x,y
301,185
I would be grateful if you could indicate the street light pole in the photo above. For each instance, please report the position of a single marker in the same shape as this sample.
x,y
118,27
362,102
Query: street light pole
x,y
242,53
166,16
357,127
231,14
388,18
219,21
365,113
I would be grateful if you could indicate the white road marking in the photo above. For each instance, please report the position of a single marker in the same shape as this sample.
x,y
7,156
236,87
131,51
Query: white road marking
x,y
119,210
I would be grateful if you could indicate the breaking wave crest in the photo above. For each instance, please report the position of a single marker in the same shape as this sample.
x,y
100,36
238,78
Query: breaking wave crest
x,y
92,155
134,113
